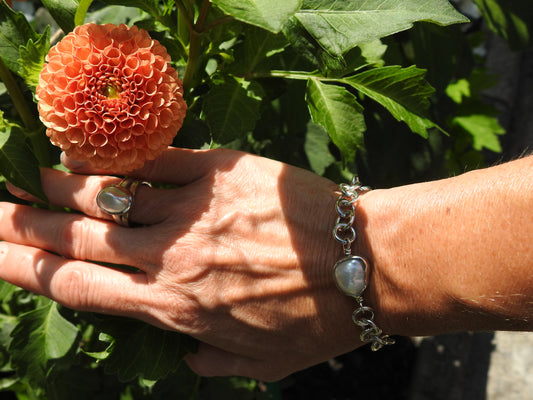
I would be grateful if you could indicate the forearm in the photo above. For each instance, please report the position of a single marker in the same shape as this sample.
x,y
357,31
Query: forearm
x,y
454,254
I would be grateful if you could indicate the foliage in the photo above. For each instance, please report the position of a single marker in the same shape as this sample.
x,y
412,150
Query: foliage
x,y
391,88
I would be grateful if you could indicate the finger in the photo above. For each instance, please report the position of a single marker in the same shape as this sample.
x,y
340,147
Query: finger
x,y
78,192
175,165
76,284
21,194
72,235
213,361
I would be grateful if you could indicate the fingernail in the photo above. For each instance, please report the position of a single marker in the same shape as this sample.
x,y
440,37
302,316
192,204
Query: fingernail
x,y
16,191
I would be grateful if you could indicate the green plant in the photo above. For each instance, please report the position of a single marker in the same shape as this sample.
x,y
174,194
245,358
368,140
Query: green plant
x,y
388,88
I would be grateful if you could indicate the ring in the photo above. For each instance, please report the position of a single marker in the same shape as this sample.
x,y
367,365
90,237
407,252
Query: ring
x,y
116,200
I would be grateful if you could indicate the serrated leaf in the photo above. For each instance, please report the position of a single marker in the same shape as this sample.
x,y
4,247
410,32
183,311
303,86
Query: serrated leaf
x,y
32,57
230,111
17,162
307,46
15,31
402,91
338,112
63,11
458,90
484,130
142,350
268,14
511,19
42,335
316,148
341,25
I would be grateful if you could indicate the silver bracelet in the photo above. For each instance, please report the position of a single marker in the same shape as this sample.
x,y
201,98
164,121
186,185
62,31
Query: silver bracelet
x,y
350,272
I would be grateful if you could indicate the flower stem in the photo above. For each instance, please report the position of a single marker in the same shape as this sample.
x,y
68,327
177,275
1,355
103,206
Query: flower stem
x,y
18,98
33,129
185,22
194,46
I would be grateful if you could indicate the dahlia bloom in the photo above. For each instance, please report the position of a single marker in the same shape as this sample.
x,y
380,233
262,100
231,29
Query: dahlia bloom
x,y
108,95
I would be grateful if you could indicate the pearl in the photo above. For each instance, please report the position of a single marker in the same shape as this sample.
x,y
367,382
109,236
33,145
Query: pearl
x,y
114,200
350,275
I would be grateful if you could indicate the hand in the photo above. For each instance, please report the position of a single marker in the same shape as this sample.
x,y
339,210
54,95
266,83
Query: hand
x,y
239,255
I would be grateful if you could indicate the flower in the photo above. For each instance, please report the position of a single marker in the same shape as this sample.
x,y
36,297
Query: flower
x,y
108,95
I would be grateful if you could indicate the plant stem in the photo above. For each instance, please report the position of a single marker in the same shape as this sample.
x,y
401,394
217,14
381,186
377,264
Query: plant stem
x,y
185,22
290,75
33,129
194,46
18,98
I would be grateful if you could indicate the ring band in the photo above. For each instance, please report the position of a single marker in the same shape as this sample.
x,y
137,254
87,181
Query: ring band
x,y
116,200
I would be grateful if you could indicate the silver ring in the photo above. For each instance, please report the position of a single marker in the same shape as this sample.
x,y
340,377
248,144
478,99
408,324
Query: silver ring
x,y
116,200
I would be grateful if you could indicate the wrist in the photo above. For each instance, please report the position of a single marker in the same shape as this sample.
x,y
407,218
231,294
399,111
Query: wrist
x,y
406,293
453,254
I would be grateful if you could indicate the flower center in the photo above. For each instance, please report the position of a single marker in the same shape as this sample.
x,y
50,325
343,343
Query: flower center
x,y
111,91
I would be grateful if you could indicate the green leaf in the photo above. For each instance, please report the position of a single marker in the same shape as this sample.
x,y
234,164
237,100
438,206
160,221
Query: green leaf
x,y
268,14
231,111
63,11
511,19
364,55
484,130
32,57
7,324
116,15
258,45
17,162
317,148
42,335
150,6
309,47
338,26
79,17
459,90
138,349
338,112
15,31
402,91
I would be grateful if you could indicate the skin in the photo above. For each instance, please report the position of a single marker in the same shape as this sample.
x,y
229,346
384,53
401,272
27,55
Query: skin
x,y
240,254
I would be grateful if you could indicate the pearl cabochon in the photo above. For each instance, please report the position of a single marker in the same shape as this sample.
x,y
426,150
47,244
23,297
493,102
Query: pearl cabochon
x,y
350,275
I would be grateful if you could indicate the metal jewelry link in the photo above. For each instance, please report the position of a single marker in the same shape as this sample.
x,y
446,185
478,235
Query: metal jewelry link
x,y
344,232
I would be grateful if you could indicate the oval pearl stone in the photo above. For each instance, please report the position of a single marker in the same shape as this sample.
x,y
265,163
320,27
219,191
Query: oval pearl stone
x,y
114,200
350,275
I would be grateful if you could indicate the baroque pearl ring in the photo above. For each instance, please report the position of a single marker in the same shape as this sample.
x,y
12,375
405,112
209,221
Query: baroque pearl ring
x,y
116,200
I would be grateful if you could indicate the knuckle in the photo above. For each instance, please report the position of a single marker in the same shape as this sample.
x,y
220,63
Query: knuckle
x,y
73,238
71,286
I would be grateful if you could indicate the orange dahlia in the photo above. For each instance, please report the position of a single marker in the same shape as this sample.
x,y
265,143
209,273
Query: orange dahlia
x,y
109,96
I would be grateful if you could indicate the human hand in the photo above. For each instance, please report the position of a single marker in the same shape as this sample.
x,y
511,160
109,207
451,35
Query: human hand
x,y
238,255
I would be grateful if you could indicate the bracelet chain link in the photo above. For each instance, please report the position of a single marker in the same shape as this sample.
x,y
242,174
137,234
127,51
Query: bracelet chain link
x,y
344,232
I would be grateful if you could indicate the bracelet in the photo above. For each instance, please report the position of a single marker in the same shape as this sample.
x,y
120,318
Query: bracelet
x,y
350,272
